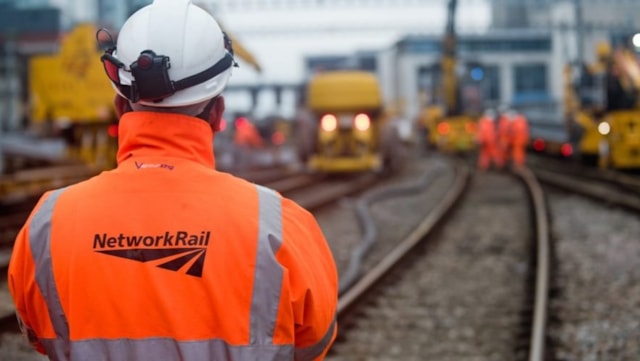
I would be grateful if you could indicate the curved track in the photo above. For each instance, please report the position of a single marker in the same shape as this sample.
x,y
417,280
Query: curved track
x,y
448,291
594,308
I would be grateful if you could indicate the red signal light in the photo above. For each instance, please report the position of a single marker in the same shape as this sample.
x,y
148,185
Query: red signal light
x,y
112,130
222,125
443,128
566,150
538,145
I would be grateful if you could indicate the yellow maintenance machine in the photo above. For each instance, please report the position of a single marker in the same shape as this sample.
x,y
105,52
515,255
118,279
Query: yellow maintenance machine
x,y
347,128
602,108
70,95
450,119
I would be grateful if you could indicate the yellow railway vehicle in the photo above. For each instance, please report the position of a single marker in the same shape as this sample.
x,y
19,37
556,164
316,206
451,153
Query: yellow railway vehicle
x,y
347,129
603,109
450,121
70,95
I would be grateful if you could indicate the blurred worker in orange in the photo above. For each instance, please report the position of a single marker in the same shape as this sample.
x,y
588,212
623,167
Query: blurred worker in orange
x,y
488,141
164,257
504,135
247,135
519,139
246,139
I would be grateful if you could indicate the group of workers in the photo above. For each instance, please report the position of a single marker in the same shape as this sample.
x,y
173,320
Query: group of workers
x,y
502,139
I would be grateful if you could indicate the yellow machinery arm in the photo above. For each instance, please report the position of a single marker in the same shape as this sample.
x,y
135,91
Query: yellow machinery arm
x,y
243,53
629,68
238,49
448,62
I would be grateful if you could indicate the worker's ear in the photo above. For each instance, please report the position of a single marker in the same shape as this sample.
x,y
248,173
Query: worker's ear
x,y
122,105
213,112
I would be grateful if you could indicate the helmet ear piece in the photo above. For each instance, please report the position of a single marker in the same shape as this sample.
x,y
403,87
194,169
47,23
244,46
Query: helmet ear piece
x,y
228,45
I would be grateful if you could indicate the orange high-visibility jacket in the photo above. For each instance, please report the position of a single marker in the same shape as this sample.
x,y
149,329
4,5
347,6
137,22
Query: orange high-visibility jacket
x,y
165,258
504,131
486,131
248,136
520,130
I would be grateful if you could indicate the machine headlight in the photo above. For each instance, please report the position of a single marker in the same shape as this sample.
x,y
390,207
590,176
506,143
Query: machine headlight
x,y
604,128
636,40
329,123
362,122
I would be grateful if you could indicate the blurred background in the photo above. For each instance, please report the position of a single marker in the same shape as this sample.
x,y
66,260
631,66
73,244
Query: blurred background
x,y
420,73
54,98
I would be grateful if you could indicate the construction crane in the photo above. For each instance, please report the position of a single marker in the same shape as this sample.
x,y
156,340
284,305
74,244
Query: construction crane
x,y
449,120
450,88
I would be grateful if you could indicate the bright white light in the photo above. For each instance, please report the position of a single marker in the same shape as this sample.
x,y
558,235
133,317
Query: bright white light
x,y
636,40
329,122
604,128
362,122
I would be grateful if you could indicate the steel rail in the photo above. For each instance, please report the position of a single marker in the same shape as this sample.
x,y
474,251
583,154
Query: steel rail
x,y
354,293
368,225
538,328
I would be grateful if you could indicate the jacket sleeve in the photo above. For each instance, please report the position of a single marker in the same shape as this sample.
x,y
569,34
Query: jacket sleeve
x,y
24,289
313,280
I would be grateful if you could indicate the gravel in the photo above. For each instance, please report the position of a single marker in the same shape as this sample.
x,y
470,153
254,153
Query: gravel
x,y
441,311
597,307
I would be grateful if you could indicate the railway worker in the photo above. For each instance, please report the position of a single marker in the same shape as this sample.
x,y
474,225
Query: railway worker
x,y
165,258
504,136
246,140
519,139
488,141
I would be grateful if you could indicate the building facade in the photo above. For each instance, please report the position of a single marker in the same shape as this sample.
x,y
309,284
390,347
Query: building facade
x,y
521,58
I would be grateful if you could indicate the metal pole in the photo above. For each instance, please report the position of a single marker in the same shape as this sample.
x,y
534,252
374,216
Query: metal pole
x,y
13,84
579,32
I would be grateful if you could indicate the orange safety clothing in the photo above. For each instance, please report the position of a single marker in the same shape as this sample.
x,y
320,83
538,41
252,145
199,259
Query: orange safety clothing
x,y
504,138
519,139
247,135
165,258
487,139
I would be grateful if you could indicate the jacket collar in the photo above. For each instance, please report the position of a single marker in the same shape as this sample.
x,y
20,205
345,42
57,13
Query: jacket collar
x,y
143,134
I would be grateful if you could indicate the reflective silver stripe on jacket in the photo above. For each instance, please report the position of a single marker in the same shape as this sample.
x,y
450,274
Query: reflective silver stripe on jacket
x,y
267,282
268,279
264,305
40,242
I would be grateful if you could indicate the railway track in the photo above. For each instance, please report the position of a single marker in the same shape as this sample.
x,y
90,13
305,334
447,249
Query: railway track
x,y
457,291
593,309
613,187
313,193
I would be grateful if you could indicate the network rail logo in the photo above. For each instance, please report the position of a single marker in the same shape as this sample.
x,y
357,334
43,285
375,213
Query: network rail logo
x,y
173,251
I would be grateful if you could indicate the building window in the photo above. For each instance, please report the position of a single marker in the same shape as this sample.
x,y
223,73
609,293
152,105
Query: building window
x,y
491,85
530,84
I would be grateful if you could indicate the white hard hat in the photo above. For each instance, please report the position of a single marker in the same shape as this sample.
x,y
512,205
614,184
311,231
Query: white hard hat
x,y
170,54
490,113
